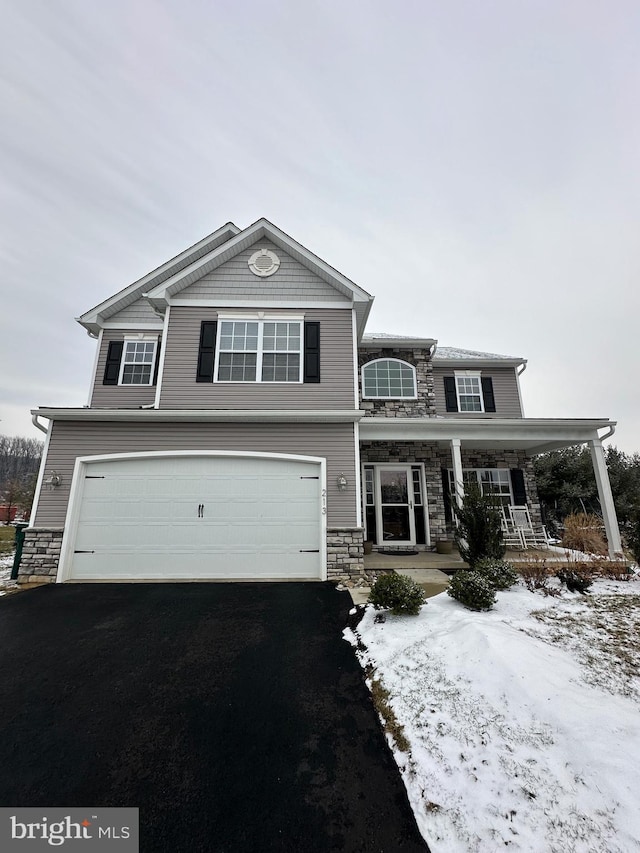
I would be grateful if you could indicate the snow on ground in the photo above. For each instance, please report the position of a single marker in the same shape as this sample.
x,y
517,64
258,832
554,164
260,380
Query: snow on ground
x,y
6,564
524,722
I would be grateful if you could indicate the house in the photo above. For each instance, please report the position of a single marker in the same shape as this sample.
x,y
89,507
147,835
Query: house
x,y
241,424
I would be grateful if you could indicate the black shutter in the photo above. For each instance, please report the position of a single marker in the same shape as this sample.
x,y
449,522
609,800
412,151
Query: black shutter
x,y
157,364
517,485
112,367
206,351
312,352
487,393
446,495
450,396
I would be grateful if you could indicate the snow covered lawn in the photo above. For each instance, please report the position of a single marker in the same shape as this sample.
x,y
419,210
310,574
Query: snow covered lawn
x,y
6,564
523,722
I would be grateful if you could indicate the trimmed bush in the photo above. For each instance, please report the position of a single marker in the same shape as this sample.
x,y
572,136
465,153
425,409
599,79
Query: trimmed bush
x,y
473,590
478,533
397,593
499,573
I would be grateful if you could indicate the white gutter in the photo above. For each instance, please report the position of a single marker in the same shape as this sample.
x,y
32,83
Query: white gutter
x,y
202,415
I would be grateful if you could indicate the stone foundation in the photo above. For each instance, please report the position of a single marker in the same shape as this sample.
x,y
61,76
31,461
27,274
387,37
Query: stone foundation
x,y
345,553
40,555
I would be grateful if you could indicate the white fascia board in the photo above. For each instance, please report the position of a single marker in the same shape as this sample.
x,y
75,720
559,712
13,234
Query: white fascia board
x,y
478,429
477,363
397,343
92,318
259,230
327,416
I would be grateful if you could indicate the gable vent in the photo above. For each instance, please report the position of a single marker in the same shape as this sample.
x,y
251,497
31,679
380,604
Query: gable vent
x,y
264,263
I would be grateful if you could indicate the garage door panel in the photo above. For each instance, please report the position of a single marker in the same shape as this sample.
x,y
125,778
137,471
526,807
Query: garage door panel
x,y
140,518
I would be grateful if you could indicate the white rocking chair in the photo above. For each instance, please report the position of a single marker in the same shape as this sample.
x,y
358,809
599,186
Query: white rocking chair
x,y
532,537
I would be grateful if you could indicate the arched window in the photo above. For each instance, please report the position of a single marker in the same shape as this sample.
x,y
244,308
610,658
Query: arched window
x,y
389,378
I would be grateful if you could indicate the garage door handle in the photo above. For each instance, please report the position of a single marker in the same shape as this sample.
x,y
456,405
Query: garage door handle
x,y
200,510
309,550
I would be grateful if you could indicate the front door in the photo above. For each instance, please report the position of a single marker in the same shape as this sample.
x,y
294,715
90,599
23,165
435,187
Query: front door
x,y
396,518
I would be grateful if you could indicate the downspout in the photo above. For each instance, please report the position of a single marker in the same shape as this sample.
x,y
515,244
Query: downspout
x,y
519,373
608,434
37,424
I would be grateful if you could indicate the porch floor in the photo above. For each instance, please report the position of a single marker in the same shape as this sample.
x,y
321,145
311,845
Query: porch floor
x,y
431,560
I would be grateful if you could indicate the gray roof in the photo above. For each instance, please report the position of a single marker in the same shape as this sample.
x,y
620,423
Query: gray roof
x,y
453,353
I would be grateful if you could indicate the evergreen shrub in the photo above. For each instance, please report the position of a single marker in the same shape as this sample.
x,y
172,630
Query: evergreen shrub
x,y
472,589
499,573
479,531
397,593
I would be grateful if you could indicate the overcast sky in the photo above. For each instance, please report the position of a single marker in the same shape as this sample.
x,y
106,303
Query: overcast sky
x,y
474,165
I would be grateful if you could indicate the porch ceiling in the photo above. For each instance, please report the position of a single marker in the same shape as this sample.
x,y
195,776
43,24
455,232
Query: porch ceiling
x,y
533,435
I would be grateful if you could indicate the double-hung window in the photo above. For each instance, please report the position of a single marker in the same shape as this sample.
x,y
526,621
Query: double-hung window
x,y
137,365
260,351
469,391
490,481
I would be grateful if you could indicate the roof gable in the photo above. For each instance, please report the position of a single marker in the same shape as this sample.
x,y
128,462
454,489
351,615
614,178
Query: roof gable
x,y
260,230
192,265
93,319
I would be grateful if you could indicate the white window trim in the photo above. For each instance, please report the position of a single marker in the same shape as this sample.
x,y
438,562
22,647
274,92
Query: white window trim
x,y
261,317
139,338
386,397
469,374
479,471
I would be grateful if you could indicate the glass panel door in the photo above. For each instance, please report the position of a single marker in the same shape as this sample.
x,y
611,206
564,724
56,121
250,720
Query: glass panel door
x,y
396,521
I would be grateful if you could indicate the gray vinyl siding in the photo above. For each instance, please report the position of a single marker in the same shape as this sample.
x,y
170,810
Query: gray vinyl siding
x,y
119,396
138,312
334,391
69,439
505,391
234,280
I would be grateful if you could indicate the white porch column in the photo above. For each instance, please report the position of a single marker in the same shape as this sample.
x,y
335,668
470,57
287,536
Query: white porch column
x,y
458,480
606,498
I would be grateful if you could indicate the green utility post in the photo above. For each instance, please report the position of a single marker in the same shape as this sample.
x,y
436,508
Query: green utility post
x,y
20,526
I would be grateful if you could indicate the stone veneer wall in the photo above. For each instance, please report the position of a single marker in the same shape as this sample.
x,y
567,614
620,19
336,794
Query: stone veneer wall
x,y
345,552
40,555
435,458
424,406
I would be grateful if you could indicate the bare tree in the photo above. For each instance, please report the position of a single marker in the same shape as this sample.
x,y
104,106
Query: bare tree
x,y
19,459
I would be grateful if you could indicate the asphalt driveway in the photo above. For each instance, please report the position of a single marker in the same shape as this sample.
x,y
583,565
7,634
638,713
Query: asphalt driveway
x,y
233,715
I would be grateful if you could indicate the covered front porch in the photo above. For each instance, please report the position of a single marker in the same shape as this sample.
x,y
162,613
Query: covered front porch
x,y
413,469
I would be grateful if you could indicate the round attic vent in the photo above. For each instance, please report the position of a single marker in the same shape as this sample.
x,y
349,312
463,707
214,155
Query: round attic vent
x,y
264,263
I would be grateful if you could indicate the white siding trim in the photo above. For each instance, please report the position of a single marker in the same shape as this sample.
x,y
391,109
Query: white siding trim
x,y
92,387
359,495
43,463
154,327
163,352
77,482
256,304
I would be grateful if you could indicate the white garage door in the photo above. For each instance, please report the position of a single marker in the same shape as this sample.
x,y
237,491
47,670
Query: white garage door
x,y
183,517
